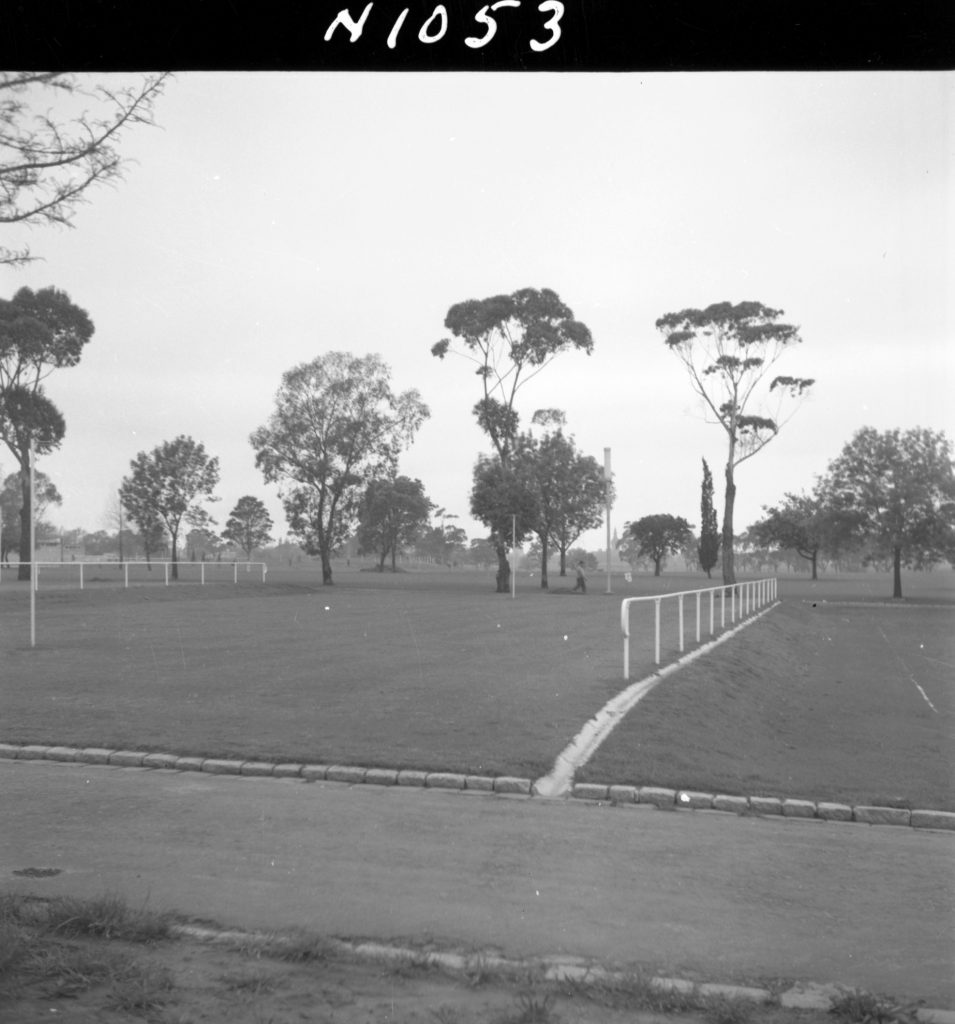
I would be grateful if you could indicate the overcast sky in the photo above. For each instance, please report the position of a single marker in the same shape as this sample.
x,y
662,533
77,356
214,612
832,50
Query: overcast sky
x,y
273,217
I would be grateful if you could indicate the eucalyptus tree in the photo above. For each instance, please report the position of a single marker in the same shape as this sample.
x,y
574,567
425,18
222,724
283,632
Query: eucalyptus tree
x,y
509,339
40,332
896,489
168,486
337,424
58,139
729,352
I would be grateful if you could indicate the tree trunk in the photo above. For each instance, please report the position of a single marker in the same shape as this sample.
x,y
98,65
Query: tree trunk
x,y
657,566
326,567
544,554
815,556
729,571
897,571
563,560
503,570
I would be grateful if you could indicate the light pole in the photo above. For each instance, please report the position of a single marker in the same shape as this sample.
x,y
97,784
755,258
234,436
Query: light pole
x,y
607,496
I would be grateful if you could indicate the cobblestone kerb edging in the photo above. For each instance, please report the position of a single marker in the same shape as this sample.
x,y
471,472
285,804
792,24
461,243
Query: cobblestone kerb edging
x,y
668,799
799,996
764,805
504,784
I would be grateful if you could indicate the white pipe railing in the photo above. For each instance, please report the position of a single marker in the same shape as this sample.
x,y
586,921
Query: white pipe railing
x,y
752,594
248,566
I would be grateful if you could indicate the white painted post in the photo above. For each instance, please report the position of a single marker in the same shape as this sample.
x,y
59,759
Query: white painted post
x,y
733,603
681,622
165,567
722,607
202,574
712,607
126,574
698,596
81,575
34,568
656,628
235,572
625,626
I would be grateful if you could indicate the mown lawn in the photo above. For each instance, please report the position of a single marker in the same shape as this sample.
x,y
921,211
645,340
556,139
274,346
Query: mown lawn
x,y
826,701
435,671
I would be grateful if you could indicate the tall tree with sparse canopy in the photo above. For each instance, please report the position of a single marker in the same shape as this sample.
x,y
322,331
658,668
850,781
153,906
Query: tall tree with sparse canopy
x,y
729,352
58,137
337,424
39,332
248,525
708,550
660,535
168,486
897,489
509,339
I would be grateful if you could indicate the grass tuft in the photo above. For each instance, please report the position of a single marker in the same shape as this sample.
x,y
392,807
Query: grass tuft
x,y
858,1007
106,917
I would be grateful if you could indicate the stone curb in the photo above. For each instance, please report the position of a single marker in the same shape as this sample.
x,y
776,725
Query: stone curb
x,y
801,995
349,774
763,805
657,796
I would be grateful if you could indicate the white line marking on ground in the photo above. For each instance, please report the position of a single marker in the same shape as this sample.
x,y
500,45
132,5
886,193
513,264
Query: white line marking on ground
x,y
584,745
909,673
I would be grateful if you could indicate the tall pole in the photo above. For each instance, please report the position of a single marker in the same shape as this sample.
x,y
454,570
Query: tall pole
x,y
607,495
32,548
513,557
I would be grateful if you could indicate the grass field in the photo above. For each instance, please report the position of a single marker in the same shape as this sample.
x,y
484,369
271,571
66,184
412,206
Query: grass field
x,y
435,671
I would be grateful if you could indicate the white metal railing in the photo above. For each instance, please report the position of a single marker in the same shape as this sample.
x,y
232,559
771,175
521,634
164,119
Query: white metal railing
x,y
744,598
214,567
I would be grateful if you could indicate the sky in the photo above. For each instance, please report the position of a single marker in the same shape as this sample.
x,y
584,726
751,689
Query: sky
x,y
270,218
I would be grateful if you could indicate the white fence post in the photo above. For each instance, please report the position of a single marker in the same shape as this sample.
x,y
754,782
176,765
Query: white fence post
x,y
81,575
656,633
752,594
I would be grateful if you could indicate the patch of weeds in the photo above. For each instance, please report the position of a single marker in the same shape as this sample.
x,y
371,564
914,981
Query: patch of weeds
x,y
255,982
535,1000
140,989
407,965
446,1015
296,947
728,1009
106,917
857,1007
64,971
478,971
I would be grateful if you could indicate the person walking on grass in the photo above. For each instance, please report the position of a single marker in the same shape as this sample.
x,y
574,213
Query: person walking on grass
x,y
581,583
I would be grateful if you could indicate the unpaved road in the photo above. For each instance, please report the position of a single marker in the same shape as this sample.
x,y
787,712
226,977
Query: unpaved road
x,y
693,894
